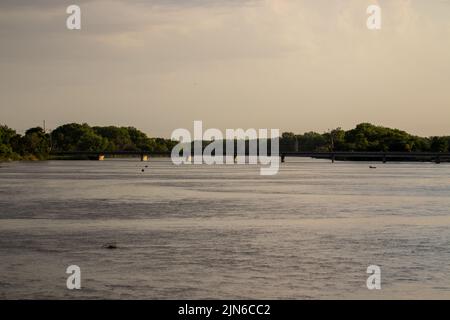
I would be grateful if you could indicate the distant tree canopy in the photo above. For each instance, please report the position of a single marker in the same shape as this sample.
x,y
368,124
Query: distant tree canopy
x,y
37,144
77,137
365,137
82,137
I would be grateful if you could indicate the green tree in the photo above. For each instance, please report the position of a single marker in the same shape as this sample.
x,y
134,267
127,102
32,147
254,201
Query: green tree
x,y
139,139
8,140
439,144
288,142
77,137
36,142
118,138
313,141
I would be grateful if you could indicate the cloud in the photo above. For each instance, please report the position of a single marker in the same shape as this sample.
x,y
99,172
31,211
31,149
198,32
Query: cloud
x,y
295,64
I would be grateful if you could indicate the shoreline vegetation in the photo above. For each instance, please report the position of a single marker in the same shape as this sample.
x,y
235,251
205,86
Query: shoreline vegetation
x,y
36,144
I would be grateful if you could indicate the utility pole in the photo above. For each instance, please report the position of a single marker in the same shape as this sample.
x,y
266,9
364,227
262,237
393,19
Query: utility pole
x,y
332,145
332,139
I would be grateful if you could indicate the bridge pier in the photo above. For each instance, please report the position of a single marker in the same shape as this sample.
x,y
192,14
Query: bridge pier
x,y
144,157
101,157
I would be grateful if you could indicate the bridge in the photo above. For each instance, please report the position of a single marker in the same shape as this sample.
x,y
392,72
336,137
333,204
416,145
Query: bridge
x,y
100,155
381,156
436,157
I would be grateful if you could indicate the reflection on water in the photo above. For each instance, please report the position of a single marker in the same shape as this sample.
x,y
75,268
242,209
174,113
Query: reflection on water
x,y
224,231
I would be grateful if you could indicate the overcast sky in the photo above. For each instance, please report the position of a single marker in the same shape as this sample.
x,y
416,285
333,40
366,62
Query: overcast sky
x,y
295,65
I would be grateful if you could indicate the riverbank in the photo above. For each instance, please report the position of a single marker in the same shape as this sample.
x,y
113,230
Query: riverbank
x,y
88,158
20,158
60,157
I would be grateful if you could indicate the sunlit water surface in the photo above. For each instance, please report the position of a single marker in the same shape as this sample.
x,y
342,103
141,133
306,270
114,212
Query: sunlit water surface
x,y
224,231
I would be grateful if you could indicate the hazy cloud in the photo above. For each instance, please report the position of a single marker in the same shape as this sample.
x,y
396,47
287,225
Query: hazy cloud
x,y
297,65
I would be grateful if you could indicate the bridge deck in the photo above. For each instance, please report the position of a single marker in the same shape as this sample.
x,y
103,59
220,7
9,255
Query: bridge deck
x,y
367,154
337,154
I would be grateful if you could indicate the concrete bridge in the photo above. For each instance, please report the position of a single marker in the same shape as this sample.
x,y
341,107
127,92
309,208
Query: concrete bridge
x,y
381,156
436,157
100,155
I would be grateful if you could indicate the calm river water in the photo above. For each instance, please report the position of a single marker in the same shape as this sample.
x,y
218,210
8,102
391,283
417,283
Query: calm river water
x,y
224,231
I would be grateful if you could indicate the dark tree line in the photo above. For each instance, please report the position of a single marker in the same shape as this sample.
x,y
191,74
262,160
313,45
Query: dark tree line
x,y
37,144
82,137
365,137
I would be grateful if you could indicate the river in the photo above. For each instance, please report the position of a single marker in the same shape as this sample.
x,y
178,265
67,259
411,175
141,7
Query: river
x,y
226,232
